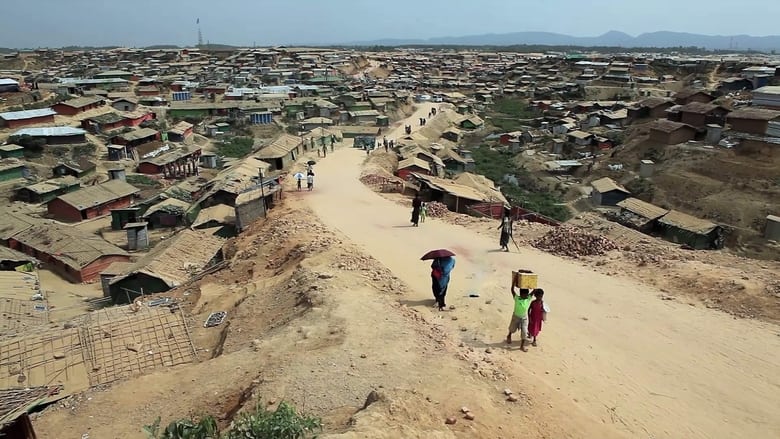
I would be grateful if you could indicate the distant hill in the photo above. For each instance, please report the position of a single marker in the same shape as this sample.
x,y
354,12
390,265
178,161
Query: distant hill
x,y
609,39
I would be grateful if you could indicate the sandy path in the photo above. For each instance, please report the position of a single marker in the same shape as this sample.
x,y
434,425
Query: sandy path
x,y
640,365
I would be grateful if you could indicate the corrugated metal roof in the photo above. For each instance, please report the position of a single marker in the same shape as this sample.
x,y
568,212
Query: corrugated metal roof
x,y
668,126
687,222
642,208
686,93
78,81
138,134
256,194
53,184
415,151
361,113
130,99
106,118
9,254
579,134
324,120
358,129
27,114
619,114
455,189
171,156
279,147
72,246
239,176
653,102
221,213
753,114
82,101
699,108
177,259
10,163
50,132
180,128
113,72
170,202
482,184
14,223
98,194
414,161
607,184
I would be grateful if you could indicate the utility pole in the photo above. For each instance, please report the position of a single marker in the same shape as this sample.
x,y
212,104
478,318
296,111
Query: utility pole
x,y
262,192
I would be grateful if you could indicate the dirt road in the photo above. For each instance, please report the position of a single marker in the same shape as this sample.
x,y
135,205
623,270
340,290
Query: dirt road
x,y
640,365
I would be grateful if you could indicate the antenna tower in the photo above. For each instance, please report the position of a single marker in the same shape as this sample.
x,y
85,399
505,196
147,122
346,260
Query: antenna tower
x,y
200,34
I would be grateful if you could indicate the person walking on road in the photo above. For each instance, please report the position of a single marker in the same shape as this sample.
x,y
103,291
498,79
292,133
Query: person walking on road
x,y
310,181
520,316
506,230
440,279
299,179
416,205
423,212
537,313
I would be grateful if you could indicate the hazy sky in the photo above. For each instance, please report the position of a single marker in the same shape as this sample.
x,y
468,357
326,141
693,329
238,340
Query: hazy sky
x,y
57,23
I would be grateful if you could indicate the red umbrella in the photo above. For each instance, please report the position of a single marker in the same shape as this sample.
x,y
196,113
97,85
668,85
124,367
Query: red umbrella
x,y
440,253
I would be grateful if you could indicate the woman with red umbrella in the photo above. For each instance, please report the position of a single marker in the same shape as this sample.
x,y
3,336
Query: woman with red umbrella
x,y
441,267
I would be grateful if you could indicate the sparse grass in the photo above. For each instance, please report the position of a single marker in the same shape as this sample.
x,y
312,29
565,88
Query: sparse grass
x,y
59,151
143,180
505,125
85,150
236,147
517,108
527,194
642,189
507,114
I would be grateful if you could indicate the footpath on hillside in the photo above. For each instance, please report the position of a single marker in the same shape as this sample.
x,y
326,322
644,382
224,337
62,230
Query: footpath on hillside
x,y
622,351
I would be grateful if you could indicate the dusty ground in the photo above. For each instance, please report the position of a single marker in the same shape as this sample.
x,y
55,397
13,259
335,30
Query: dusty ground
x,y
314,321
739,286
327,301
731,187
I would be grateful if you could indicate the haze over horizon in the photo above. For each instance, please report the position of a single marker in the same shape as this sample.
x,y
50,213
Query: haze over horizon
x,y
56,23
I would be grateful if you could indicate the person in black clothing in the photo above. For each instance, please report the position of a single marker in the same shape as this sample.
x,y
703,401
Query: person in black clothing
x,y
416,204
506,230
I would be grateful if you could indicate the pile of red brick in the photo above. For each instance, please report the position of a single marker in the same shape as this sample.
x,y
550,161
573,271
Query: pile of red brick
x,y
572,242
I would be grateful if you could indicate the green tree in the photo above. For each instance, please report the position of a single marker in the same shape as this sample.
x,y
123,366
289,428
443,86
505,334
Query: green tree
x,y
519,187
33,146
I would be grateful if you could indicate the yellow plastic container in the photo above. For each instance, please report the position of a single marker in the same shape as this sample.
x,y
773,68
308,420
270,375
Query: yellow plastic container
x,y
525,280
